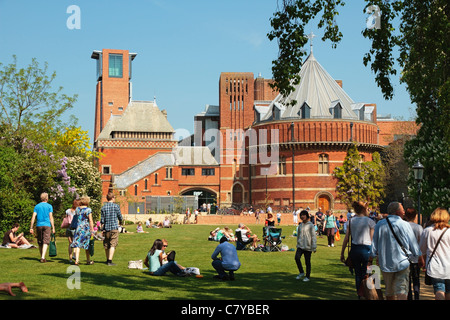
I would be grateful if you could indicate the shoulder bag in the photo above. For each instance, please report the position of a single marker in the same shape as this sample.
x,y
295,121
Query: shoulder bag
x,y
398,240
348,262
427,277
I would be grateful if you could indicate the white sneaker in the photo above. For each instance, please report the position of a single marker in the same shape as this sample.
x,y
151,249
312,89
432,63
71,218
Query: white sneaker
x,y
300,275
306,279
332,244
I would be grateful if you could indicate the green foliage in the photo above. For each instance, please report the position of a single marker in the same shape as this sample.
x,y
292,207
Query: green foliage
x,y
288,27
358,180
38,151
26,99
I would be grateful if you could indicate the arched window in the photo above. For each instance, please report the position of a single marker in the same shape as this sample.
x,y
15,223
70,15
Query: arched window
x,y
323,163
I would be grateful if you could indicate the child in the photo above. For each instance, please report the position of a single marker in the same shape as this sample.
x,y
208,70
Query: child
x,y
139,228
306,245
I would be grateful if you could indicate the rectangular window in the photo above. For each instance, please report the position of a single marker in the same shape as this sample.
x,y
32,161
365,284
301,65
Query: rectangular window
x,y
168,173
208,172
106,169
115,65
188,172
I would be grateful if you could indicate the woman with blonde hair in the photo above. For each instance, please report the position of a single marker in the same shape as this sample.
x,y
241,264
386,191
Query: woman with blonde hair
x,y
85,228
360,234
435,247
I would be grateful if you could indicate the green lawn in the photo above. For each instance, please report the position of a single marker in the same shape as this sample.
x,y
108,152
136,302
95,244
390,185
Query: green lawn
x,y
262,276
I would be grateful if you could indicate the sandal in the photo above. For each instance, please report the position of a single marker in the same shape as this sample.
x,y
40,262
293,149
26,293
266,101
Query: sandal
x,y
90,262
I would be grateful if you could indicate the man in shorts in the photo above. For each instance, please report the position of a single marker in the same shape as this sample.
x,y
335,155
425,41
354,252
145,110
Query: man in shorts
x,y
392,258
43,214
109,220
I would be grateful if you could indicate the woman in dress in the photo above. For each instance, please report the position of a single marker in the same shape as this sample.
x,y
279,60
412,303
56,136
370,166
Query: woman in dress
x,y
84,229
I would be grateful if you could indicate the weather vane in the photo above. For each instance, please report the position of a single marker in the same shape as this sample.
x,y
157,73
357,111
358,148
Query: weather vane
x,y
310,37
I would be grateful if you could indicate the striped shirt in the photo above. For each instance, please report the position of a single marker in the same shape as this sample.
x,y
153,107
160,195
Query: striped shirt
x,y
110,216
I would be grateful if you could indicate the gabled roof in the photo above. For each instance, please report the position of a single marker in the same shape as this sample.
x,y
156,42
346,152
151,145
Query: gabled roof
x,y
139,116
319,90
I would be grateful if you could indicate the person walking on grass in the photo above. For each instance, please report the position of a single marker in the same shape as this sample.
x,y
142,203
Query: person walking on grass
x,y
45,226
306,245
84,231
109,221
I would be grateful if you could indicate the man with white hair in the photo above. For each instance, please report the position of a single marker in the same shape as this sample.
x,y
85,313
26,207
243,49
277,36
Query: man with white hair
x,y
394,245
246,235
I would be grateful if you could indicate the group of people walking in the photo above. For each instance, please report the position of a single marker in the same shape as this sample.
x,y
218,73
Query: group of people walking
x,y
81,228
401,248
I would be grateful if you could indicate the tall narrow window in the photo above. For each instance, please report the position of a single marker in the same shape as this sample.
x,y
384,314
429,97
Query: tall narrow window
x,y
146,184
115,65
323,164
156,178
169,173
282,166
135,189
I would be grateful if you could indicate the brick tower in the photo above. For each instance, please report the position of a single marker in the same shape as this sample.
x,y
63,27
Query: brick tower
x,y
113,91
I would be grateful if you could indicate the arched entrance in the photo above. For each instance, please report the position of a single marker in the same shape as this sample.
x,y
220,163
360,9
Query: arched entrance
x,y
324,200
238,193
204,196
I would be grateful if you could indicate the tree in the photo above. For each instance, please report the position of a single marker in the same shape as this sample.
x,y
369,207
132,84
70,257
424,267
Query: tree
x,y
420,30
26,98
358,180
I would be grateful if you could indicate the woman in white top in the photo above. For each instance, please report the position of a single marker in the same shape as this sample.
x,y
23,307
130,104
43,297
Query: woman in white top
x,y
69,233
438,268
360,228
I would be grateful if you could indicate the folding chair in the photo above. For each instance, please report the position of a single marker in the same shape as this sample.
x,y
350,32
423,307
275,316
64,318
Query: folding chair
x,y
241,244
274,239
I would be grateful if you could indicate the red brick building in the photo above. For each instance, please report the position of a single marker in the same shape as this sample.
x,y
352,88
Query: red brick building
x,y
256,147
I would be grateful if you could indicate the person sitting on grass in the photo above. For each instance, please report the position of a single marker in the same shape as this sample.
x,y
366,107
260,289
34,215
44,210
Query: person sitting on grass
x,y
155,258
11,240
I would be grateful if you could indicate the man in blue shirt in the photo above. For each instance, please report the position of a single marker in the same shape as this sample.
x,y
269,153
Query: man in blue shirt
x,y
229,260
109,220
43,214
393,259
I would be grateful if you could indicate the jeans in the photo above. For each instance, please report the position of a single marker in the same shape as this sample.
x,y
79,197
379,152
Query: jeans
x,y
441,285
170,266
359,254
217,264
298,255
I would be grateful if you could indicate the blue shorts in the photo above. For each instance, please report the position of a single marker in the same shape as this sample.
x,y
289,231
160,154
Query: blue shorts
x,y
441,285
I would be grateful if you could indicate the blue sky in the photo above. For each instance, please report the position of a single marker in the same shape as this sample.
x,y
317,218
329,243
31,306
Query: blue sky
x,y
182,47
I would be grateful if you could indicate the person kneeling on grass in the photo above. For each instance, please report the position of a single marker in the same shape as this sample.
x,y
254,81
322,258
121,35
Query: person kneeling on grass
x,y
229,260
154,261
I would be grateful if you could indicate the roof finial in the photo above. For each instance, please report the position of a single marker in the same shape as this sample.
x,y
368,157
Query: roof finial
x,y
310,37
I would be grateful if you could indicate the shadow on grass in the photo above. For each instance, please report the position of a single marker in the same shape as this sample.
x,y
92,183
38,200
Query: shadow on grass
x,y
247,286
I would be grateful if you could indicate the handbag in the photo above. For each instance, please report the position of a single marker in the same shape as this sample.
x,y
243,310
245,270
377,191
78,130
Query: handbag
x,y
368,290
348,262
52,247
427,277
91,246
66,222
